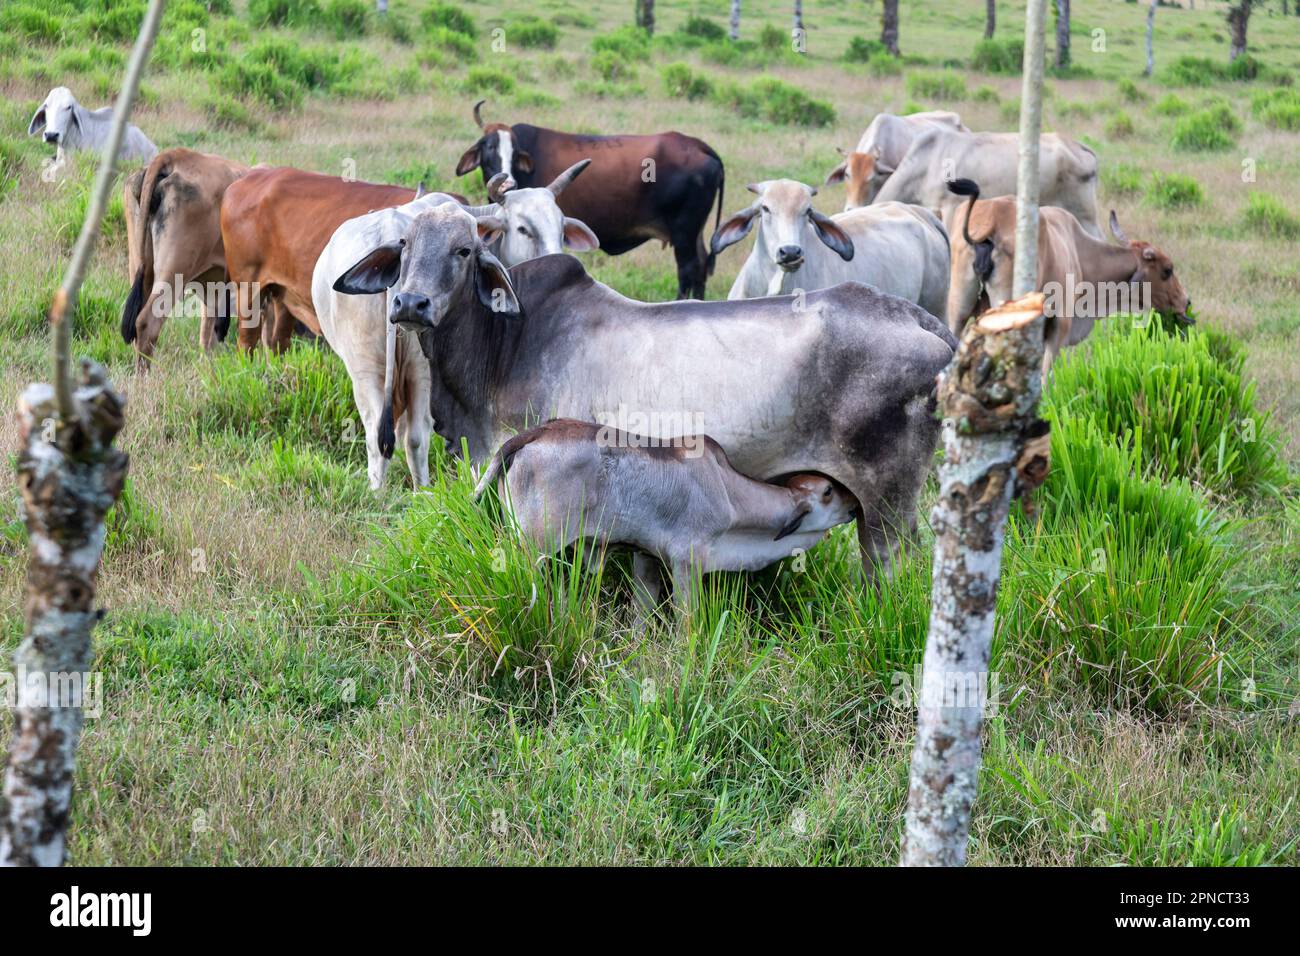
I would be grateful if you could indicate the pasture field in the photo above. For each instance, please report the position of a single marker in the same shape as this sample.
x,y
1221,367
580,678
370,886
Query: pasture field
x,y
297,671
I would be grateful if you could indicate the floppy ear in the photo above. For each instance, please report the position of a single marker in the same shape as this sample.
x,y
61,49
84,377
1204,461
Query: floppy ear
x,y
38,121
492,284
376,271
884,169
471,160
838,174
490,228
524,160
832,235
578,237
734,229
792,525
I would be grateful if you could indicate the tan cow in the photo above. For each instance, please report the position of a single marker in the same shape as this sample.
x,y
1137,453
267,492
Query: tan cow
x,y
173,216
1084,278
879,151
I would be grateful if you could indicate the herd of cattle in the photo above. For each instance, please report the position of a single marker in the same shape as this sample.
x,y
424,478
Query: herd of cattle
x,y
469,319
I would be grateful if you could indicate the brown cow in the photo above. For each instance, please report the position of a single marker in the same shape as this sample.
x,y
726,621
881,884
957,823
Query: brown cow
x,y
275,221
173,217
638,187
1084,278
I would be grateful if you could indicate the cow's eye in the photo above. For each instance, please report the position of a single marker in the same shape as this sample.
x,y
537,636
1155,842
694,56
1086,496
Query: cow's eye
x,y
463,252
765,210
523,231
1169,273
826,495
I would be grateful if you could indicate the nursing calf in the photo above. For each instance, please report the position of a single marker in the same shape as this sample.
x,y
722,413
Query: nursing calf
x,y
680,501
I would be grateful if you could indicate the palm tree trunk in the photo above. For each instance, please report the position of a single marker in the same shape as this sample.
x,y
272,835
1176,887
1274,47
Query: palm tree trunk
x,y
735,19
1062,34
1151,33
889,26
797,21
990,18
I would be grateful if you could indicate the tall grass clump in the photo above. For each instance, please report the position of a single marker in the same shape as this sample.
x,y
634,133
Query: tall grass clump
x,y
449,16
885,64
1277,109
777,102
936,86
346,19
1193,71
1171,104
862,49
703,28
450,567
1182,401
1206,130
1174,191
1120,126
533,33
996,56
681,82
1122,179
1129,92
438,42
1121,583
283,13
628,43
1266,216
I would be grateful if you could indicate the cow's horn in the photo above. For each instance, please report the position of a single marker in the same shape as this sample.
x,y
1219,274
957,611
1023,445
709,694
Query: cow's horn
x,y
494,190
478,117
563,180
419,189
1115,230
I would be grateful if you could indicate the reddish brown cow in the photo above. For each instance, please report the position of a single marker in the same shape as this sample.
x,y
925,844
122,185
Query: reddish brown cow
x,y
637,188
275,221
1084,278
173,214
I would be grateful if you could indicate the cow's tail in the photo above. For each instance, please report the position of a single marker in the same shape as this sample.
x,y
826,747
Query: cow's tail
x,y
982,248
722,188
387,433
154,173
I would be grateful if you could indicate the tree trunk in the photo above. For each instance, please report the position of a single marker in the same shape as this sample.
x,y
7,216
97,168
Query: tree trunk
x,y
1238,21
999,449
990,18
735,19
1062,34
69,475
645,15
797,19
1151,36
889,26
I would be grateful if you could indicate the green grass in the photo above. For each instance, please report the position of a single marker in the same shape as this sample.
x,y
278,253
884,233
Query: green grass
x,y
1266,216
1174,191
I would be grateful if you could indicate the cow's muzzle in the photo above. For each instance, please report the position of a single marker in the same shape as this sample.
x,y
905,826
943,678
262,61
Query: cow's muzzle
x,y
411,308
789,258
51,137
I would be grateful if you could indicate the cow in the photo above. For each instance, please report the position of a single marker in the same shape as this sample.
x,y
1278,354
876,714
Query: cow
x,y
899,249
841,384
1067,172
274,223
70,127
1081,275
880,150
681,502
390,378
639,188
173,213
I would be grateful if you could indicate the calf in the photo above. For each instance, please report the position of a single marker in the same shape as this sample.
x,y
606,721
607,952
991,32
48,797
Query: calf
x,y
880,150
680,501
639,188
173,214
390,377
899,249
1084,277
70,127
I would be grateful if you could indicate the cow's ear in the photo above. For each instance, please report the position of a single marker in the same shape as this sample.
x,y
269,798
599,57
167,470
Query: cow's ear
x,y
578,237
883,169
524,160
733,229
492,284
832,235
1149,254
376,271
792,525
473,156
38,122
838,174
490,228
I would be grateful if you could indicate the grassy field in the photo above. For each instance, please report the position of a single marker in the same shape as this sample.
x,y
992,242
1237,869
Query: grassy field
x,y
298,671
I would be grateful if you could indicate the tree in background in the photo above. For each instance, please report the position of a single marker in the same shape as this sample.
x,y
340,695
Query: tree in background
x,y
1062,34
645,15
1238,21
797,22
889,26
1151,34
990,18
735,19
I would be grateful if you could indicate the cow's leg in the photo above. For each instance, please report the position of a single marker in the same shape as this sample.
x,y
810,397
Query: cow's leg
x,y
683,581
252,312
692,266
419,428
369,396
279,334
149,323
214,325
647,588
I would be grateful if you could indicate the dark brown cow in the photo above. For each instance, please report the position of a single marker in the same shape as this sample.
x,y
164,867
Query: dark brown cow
x,y
173,214
638,187
275,221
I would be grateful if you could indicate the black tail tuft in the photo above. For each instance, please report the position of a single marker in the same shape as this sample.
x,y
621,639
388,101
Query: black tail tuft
x,y
131,310
964,187
387,434
221,321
